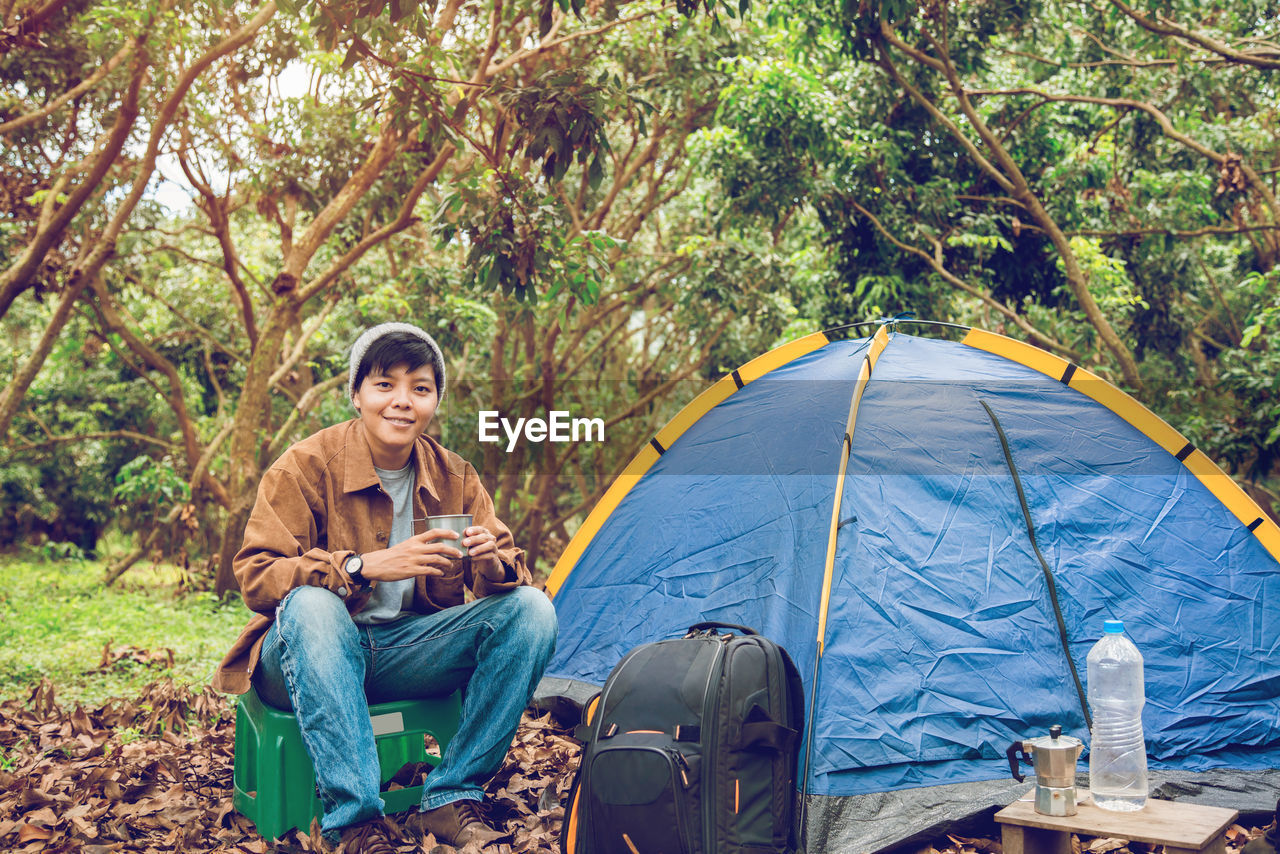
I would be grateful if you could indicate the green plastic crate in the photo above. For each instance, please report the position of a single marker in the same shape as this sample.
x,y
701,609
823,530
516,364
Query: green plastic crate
x,y
275,785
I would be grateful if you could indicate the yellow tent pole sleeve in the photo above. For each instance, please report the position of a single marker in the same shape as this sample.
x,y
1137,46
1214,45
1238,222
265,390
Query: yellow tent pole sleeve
x,y
878,343
829,565
783,355
649,454
612,497
1218,482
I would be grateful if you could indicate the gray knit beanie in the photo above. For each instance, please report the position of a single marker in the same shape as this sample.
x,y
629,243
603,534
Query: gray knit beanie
x,y
373,334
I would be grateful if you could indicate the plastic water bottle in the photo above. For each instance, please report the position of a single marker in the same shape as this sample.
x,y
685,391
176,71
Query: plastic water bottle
x,y
1118,754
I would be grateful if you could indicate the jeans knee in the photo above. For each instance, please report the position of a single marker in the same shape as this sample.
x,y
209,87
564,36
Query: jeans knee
x,y
536,615
313,612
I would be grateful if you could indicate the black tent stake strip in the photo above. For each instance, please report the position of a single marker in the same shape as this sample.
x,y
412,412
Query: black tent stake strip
x,y
1044,565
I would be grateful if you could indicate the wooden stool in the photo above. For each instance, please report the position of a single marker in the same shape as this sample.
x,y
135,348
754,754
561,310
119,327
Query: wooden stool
x,y
1180,827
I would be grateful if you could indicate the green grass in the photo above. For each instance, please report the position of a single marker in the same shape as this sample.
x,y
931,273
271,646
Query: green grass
x,y
56,617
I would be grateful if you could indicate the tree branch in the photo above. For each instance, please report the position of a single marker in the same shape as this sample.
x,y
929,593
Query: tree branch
x,y
388,144
204,333
1020,189
215,208
1166,125
310,398
1166,27
931,108
935,261
288,363
1171,232
130,435
18,277
404,218
523,54
88,270
27,31
74,92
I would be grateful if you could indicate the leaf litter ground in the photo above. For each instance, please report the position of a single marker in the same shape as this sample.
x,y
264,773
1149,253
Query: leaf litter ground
x,y
154,775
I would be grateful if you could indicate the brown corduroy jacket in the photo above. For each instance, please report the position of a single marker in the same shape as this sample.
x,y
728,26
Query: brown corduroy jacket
x,y
322,502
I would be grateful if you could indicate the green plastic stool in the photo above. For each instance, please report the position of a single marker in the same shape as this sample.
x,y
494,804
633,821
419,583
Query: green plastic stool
x,y
275,785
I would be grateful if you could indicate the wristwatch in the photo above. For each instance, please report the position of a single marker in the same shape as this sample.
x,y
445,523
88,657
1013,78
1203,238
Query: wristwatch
x,y
355,568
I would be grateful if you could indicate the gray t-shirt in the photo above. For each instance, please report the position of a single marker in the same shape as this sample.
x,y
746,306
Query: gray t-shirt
x,y
392,598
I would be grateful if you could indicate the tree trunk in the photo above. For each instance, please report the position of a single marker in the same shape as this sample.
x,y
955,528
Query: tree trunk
x,y
229,543
253,413
247,433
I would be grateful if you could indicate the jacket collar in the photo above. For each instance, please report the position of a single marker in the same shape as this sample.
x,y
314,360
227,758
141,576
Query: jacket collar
x,y
359,474
422,449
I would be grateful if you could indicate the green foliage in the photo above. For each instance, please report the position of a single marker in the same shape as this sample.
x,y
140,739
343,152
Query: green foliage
x,y
560,117
609,204
56,620
518,242
1245,422
335,21
150,486
1265,320
61,551
1108,278
776,123
61,491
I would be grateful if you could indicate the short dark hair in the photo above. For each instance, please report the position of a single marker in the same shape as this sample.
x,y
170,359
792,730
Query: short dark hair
x,y
392,350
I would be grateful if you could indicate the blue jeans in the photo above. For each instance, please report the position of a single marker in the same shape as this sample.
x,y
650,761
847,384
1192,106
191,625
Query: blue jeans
x,y
327,668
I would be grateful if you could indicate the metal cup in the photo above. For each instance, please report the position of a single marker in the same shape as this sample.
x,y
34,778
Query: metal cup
x,y
458,523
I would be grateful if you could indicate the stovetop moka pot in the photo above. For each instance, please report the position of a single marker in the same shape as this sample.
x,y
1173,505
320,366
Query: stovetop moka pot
x,y
1054,758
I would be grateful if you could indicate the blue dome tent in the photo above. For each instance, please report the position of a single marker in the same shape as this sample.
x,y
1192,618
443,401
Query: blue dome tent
x,y
936,530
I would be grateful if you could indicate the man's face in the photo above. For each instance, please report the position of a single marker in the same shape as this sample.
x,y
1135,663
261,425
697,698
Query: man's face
x,y
395,406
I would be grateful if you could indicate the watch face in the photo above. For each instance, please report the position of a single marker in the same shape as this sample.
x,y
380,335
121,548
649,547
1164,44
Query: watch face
x,y
354,565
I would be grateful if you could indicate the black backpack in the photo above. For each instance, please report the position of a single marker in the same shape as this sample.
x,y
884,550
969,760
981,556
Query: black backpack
x,y
691,748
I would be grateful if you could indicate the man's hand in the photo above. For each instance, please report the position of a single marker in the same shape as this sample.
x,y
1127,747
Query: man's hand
x,y
482,545
414,557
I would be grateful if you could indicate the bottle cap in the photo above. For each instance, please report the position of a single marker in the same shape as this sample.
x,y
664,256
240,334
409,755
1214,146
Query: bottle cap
x,y
1113,627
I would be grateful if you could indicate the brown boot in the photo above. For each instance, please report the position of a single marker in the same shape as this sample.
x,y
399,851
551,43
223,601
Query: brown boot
x,y
457,824
374,836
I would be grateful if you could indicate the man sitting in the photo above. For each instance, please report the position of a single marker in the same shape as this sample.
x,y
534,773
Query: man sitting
x,y
355,608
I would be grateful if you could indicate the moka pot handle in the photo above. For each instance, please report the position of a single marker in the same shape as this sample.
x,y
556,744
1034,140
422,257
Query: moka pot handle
x,y
1016,751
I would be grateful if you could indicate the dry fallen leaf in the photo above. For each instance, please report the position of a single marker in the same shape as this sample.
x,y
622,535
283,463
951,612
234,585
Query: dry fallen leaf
x,y
29,832
71,785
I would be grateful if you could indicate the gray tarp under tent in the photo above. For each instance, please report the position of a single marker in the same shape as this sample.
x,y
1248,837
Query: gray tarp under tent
x,y
909,818
935,530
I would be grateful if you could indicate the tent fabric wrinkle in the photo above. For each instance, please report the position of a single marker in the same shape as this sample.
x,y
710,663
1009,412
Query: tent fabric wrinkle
x,y
935,530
